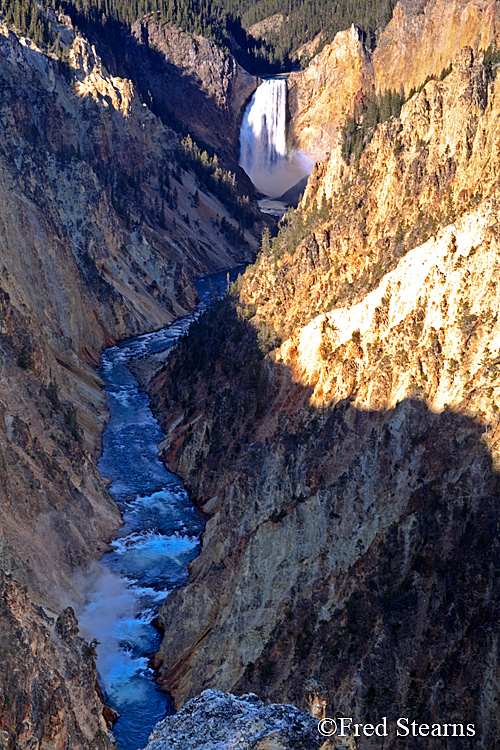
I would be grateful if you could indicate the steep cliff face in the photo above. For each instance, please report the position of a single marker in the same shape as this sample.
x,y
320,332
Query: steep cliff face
x,y
47,678
321,96
206,89
419,42
351,474
418,174
424,35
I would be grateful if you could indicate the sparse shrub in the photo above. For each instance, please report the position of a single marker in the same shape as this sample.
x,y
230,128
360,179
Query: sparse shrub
x,y
71,422
24,358
52,393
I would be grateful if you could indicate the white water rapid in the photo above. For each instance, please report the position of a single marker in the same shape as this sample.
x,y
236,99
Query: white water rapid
x,y
263,150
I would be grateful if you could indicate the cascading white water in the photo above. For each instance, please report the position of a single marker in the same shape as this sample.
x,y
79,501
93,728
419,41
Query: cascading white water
x,y
263,150
263,133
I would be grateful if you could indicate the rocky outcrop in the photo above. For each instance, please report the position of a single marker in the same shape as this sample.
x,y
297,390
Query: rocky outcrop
x,y
47,678
419,42
350,474
267,27
192,78
321,96
215,721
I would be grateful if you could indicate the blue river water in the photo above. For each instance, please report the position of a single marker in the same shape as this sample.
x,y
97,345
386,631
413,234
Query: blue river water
x,y
150,553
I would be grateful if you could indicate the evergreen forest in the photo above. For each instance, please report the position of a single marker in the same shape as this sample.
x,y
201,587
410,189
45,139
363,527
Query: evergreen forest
x,y
226,22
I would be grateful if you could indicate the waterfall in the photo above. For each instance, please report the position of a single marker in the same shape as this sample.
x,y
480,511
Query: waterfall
x,y
263,150
263,132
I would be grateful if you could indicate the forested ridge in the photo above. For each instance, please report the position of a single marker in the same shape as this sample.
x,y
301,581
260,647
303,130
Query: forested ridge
x,y
226,22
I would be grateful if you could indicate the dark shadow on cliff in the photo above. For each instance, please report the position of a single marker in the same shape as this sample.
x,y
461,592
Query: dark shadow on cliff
x,y
173,93
409,499
176,96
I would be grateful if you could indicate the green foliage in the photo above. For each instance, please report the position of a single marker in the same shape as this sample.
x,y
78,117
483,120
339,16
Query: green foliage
x,y
358,130
71,422
226,23
277,516
445,72
307,18
91,648
220,350
52,393
217,180
296,226
267,669
233,234
466,319
31,19
249,670
492,58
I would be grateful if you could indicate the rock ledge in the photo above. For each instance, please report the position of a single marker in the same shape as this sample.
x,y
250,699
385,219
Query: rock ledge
x,y
221,721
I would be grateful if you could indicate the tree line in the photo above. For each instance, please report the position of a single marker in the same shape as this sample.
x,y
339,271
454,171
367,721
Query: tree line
x,y
226,22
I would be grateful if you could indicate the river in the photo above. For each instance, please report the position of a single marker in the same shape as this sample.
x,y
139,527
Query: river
x,y
150,554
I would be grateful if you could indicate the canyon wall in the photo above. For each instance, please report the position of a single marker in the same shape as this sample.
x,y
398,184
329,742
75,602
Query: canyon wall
x,y
337,421
321,96
192,78
47,679
419,42
424,35
101,236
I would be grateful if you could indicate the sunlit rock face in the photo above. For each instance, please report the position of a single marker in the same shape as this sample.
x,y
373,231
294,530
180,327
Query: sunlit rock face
x,y
424,35
321,96
420,41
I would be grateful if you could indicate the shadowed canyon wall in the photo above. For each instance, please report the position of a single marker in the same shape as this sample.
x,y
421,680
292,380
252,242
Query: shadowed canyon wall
x,y
47,677
205,89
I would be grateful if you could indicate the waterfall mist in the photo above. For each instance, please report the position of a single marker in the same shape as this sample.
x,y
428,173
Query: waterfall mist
x,y
263,151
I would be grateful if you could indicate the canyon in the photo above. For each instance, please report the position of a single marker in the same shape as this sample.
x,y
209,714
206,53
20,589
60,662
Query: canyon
x,y
335,416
